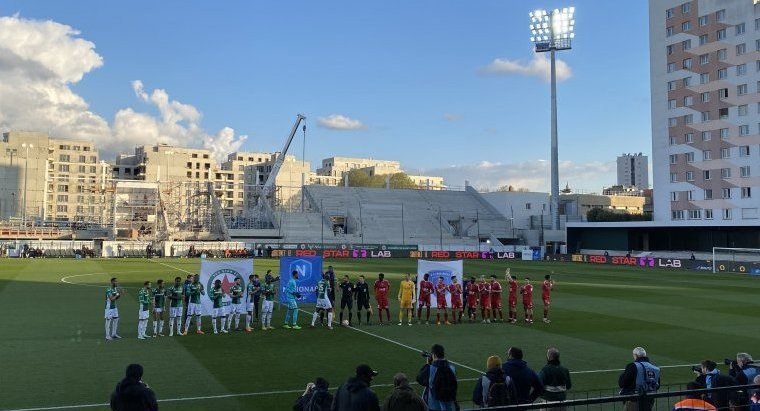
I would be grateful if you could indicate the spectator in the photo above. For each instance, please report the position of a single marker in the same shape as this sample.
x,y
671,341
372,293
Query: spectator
x,y
403,397
710,377
556,379
355,394
639,377
131,394
693,402
316,397
742,369
527,383
754,396
440,381
494,388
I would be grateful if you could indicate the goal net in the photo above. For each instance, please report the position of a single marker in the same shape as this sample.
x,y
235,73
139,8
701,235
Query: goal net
x,y
736,260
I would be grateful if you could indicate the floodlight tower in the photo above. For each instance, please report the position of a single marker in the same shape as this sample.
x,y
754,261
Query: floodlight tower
x,y
553,31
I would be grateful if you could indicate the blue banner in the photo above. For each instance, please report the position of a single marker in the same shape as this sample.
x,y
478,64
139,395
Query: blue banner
x,y
309,273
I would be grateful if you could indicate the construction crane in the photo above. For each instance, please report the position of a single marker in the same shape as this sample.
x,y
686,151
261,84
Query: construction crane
x,y
268,187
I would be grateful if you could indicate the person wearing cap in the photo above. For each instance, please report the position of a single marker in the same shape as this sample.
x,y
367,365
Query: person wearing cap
x,y
494,375
131,394
355,393
437,363
403,397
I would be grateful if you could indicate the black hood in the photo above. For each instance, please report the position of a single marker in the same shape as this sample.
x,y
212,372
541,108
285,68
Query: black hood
x,y
130,389
355,384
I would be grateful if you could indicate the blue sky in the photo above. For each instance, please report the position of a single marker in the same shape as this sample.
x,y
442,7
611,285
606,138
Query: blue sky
x,y
411,72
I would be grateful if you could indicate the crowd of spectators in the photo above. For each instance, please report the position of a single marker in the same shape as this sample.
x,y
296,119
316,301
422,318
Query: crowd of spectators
x,y
511,382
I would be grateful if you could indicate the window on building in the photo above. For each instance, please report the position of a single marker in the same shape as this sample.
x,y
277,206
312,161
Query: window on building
x,y
708,194
672,140
704,97
723,93
673,158
686,81
689,157
704,59
64,158
707,175
63,188
741,49
674,196
721,54
744,130
708,214
741,89
671,104
720,15
706,135
687,64
724,134
743,109
689,176
725,152
82,169
706,155
720,34
671,85
672,122
689,137
743,151
740,29
695,214
686,45
685,8
757,24
688,119
688,101
723,113
677,214
686,26
673,177
725,193
725,173
671,67
726,213
705,116
741,69
63,168
93,169
722,74
669,13
744,170
746,192
62,198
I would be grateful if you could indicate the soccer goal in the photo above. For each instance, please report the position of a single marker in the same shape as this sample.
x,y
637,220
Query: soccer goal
x,y
738,260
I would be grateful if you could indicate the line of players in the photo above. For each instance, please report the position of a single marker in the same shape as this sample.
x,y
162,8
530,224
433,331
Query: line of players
x,y
485,295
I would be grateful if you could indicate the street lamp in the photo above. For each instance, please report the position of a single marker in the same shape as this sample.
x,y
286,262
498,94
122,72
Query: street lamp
x,y
26,173
552,31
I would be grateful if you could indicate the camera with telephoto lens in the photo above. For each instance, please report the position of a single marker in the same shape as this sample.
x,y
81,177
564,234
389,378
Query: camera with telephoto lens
x,y
426,354
697,368
729,361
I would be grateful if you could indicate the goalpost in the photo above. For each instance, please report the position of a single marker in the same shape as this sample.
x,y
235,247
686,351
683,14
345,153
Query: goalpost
x,y
735,259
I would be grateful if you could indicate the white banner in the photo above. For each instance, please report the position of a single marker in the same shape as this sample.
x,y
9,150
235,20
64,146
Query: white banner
x,y
226,271
445,269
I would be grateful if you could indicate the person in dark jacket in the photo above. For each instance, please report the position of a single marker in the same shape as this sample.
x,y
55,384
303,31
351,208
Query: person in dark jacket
x,y
556,379
639,376
316,396
527,383
131,394
436,361
494,375
710,377
693,402
403,397
355,394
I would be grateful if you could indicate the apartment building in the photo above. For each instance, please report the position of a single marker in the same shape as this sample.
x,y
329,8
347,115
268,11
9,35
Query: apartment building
x,y
633,171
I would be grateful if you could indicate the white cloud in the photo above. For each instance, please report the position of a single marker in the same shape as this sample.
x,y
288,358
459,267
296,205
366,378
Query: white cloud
x,y
451,117
340,122
539,66
533,175
41,60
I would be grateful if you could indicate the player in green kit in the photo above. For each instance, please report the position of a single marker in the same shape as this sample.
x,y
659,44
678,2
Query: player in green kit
x,y
253,290
143,313
112,312
217,295
159,299
194,308
323,301
267,289
175,305
236,305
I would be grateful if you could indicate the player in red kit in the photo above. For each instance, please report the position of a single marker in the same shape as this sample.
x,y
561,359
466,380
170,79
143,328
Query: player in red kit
x,y
546,291
473,292
485,300
382,287
512,299
426,289
496,299
440,293
527,293
455,289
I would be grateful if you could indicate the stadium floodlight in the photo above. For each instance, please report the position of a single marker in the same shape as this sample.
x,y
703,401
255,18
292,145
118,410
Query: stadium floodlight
x,y
552,31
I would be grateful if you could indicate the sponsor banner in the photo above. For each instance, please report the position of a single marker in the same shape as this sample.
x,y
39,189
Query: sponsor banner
x,y
349,247
466,255
439,269
226,271
309,273
337,253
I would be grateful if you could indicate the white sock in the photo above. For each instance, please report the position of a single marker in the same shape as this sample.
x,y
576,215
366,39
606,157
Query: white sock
x,y
248,318
179,324
160,326
171,326
115,324
139,328
269,319
229,321
329,319
314,318
108,328
155,327
198,322
237,320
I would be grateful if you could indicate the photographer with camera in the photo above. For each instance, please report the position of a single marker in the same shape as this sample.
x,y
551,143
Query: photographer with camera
x,y
316,397
709,376
743,369
439,378
639,377
131,394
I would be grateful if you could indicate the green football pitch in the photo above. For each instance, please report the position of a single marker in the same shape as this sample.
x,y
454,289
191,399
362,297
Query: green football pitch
x,y
54,355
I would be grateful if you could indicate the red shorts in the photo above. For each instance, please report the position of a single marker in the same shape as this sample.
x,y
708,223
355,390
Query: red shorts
x,y
456,303
424,301
496,303
547,302
528,305
512,303
485,303
472,302
441,302
382,302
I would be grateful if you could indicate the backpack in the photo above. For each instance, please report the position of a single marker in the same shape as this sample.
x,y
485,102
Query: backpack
x,y
445,383
319,401
498,394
